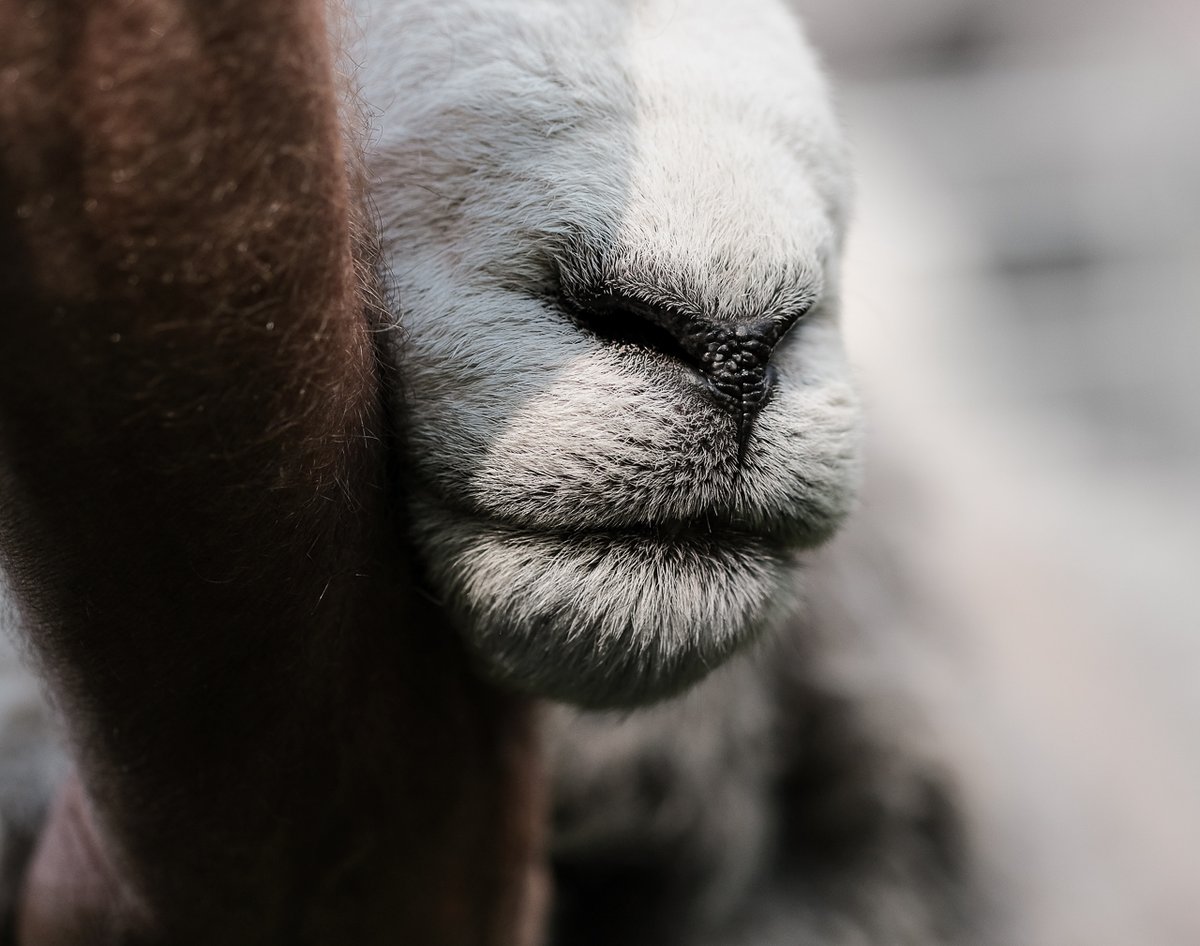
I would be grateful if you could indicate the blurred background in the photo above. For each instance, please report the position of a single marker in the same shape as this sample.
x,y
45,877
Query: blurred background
x,y
1023,302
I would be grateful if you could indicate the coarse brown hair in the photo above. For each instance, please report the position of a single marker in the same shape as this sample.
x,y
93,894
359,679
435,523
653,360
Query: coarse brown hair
x,y
274,739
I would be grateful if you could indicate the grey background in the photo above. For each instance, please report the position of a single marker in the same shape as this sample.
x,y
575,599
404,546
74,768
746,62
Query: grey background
x,y
1023,299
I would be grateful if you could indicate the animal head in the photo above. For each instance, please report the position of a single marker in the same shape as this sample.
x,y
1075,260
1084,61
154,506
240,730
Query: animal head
x,y
612,231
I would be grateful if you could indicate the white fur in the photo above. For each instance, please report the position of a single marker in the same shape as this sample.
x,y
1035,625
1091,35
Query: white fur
x,y
580,506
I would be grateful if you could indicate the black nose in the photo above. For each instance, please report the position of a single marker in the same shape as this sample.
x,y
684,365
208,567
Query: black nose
x,y
734,357
736,360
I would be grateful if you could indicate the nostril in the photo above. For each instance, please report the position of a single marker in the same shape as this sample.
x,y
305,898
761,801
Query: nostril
x,y
733,357
632,323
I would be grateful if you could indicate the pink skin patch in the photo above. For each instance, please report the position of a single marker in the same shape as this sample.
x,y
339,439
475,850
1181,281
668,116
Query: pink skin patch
x,y
72,893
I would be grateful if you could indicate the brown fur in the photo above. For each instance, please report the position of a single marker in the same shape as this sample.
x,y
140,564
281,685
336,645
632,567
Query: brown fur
x,y
192,462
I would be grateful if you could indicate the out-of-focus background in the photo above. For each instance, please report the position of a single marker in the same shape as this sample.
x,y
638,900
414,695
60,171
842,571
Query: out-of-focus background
x,y
1023,299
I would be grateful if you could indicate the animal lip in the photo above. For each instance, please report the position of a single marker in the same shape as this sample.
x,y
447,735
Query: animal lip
x,y
676,531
